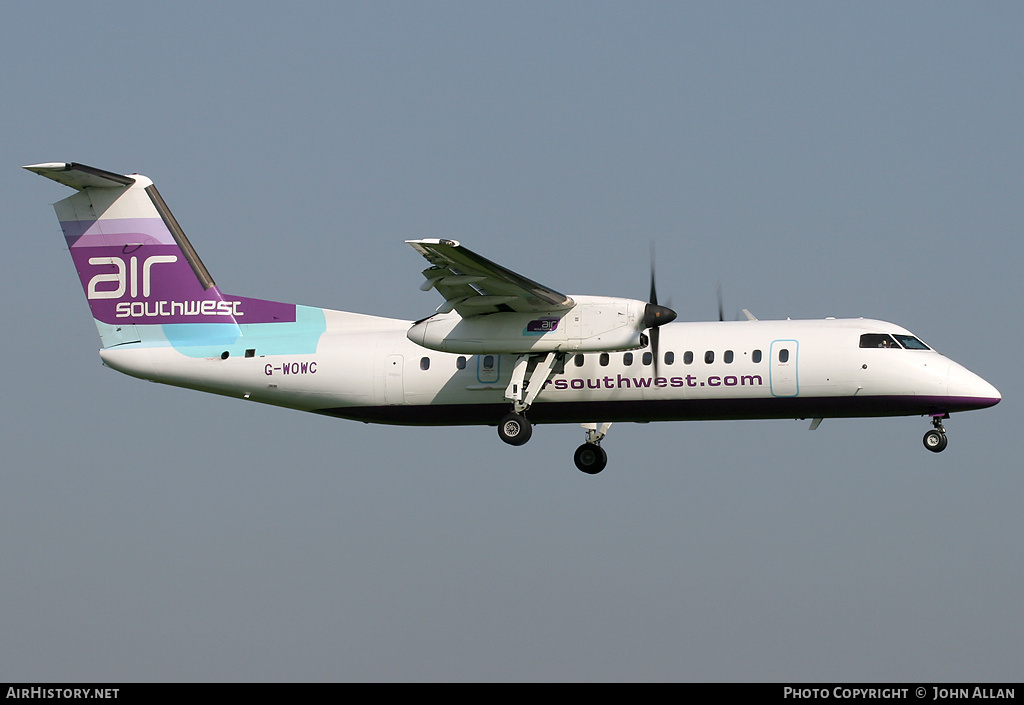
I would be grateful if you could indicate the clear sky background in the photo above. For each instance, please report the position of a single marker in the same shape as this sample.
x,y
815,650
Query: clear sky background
x,y
819,159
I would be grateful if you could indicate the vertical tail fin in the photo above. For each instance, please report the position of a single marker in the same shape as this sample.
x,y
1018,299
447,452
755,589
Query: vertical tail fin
x,y
138,270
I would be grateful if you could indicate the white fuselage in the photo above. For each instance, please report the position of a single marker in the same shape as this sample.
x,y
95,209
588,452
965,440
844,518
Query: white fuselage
x,y
366,368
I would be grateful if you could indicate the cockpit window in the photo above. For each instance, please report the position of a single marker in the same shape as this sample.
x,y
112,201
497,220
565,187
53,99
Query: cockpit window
x,y
878,340
911,343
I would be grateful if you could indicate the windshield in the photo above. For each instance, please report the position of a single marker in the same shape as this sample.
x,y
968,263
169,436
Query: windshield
x,y
878,340
884,340
911,343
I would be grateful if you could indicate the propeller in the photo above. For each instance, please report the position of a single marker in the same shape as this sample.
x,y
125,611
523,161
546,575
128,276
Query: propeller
x,y
655,316
721,309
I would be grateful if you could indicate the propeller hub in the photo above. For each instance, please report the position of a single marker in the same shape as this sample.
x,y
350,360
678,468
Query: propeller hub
x,y
655,315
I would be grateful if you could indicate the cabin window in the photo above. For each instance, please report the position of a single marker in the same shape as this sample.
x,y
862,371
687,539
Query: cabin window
x,y
627,359
488,362
461,363
648,358
911,343
603,360
728,357
578,360
424,363
756,356
688,357
709,357
670,357
784,355
251,352
878,340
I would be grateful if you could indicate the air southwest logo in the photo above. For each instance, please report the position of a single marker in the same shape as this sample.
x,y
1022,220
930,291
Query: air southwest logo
x,y
540,326
133,276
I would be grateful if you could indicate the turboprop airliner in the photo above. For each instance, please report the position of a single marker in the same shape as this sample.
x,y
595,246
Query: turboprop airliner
x,y
501,350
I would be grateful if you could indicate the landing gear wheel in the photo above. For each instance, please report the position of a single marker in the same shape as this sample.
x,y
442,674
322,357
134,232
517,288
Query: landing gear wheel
x,y
590,458
515,430
935,441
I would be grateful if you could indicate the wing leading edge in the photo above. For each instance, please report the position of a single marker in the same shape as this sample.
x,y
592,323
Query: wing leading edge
x,y
473,285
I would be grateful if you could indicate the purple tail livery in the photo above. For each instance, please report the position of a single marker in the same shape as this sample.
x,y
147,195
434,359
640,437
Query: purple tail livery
x,y
135,263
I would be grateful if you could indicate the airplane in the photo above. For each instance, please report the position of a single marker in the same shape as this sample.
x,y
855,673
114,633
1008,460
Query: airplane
x,y
501,350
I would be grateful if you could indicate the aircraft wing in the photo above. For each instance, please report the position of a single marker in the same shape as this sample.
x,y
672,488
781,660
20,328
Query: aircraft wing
x,y
473,285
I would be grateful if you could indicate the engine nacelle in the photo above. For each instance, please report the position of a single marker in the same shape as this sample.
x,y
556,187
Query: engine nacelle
x,y
594,324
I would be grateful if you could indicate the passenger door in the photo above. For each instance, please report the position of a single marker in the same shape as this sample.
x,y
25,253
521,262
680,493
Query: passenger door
x,y
782,374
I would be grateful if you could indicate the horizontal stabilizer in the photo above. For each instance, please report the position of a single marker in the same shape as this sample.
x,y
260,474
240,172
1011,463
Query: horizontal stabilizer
x,y
80,176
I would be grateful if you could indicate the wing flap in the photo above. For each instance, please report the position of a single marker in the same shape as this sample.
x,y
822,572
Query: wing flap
x,y
474,285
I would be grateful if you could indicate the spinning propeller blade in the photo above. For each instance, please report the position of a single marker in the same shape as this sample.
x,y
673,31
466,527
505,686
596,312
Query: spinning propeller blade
x,y
655,316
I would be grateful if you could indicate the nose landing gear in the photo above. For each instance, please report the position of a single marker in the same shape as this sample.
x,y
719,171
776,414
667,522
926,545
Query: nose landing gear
x,y
935,440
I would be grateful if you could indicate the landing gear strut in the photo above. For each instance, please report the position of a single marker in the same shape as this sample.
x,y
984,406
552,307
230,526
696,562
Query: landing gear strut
x,y
935,440
530,374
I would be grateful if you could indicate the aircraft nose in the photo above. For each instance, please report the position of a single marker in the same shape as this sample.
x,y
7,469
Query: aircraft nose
x,y
971,389
987,391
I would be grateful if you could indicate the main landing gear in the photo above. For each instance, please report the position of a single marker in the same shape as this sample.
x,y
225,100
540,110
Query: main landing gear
x,y
514,429
935,440
529,376
590,457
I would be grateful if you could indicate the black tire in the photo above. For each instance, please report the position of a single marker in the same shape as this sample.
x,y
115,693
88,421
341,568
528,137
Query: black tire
x,y
590,458
515,429
935,441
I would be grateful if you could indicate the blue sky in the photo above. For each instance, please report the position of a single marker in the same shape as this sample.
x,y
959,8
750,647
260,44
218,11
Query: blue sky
x,y
817,159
